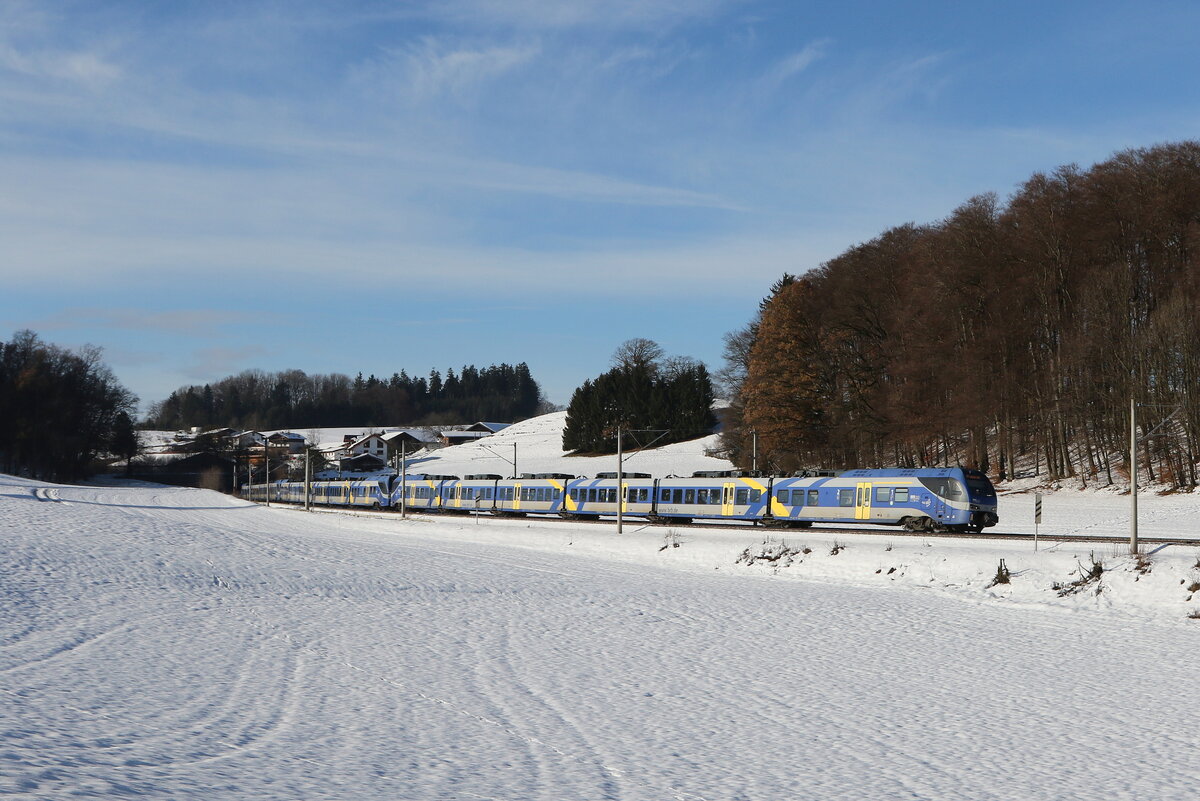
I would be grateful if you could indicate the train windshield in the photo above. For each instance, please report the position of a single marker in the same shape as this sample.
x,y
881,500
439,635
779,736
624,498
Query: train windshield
x,y
981,488
949,488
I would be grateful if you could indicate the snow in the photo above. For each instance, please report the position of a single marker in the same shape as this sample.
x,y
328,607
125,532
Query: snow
x,y
175,643
538,444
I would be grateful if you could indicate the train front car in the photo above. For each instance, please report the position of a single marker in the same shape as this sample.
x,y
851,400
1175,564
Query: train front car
x,y
981,497
925,499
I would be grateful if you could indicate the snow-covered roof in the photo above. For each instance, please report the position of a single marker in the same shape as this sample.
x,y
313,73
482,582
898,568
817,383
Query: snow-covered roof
x,y
466,434
418,434
492,427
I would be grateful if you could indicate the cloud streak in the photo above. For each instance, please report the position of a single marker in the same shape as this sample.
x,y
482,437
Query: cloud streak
x,y
191,322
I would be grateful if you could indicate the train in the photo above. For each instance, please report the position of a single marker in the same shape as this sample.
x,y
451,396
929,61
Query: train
x,y
952,499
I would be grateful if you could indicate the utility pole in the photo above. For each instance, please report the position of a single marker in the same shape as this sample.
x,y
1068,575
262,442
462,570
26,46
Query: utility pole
x,y
620,498
267,465
403,479
307,479
515,473
1133,512
754,450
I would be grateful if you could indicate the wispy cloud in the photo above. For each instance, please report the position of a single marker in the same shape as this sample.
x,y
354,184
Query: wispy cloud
x,y
195,322
549,14
791,65
89,68
433,68
209,362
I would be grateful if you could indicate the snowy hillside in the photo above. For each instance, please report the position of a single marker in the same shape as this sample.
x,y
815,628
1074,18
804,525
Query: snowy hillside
x,y
538,444
174,643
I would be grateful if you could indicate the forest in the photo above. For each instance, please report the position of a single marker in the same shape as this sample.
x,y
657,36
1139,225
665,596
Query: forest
x,y
263,401
652,399
1007,336
60,410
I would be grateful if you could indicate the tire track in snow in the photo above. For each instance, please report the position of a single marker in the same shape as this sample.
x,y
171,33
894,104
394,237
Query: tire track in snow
x,y
610,777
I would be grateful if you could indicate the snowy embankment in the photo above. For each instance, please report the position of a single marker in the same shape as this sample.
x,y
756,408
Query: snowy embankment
x,y
173,643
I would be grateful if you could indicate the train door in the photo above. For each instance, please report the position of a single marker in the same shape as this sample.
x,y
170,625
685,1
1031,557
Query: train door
x,y
862,510
516,501
727,494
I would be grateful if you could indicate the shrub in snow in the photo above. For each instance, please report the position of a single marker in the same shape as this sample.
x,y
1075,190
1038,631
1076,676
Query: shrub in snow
x,y
1087,576
1003,576
772,553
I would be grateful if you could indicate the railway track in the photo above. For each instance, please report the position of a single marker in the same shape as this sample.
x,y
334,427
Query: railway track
x,y
890,531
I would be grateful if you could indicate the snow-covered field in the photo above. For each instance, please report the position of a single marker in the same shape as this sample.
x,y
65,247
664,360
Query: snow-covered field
x,y
174,643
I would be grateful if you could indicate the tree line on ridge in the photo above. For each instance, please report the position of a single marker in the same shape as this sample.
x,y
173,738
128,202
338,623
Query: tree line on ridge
x,y
1006,334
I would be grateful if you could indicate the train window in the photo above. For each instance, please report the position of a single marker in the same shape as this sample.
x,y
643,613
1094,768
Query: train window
x,y
982,487
883,494
944,487
689,496
814,498
845,497
742,497
901,495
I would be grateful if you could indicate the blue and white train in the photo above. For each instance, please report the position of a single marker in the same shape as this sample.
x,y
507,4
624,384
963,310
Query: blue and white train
x,y
922,499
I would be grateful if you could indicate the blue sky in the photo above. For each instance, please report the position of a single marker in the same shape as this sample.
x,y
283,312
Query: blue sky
x,y
205,187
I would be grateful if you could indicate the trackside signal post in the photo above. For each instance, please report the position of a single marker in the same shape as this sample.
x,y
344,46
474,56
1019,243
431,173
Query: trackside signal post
x,y
1037,517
